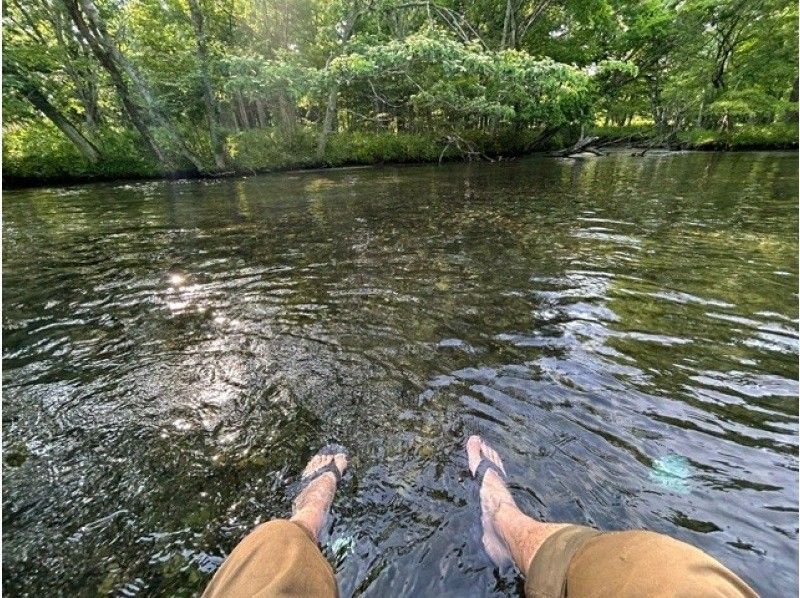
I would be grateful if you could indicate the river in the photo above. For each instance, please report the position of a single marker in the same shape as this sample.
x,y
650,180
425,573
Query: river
x,y
623,329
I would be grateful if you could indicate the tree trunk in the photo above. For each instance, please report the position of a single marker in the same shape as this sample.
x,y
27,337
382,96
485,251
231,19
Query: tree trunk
x,y
83,76
522,29
345,32
243,116
261,113
41,103
718,79
792,115
509,27
655,103
212,112
230,113
91,104
327,123
582,145
288,113
107,62
88,21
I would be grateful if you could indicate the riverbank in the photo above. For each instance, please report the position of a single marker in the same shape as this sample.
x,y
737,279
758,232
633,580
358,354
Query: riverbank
x,y
775,136
41,156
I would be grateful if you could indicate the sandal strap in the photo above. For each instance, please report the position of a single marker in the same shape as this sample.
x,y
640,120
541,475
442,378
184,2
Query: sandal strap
x,y
328,449
333,449
484,466
330,467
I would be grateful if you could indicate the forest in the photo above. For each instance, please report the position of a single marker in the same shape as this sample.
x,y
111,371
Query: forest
x,y
144,88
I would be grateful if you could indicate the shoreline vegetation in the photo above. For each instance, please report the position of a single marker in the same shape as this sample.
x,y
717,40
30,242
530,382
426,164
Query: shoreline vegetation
x,y
98,90
266,151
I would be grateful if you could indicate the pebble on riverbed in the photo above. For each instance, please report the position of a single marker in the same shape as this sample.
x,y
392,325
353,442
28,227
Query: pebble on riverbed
x,y
17,455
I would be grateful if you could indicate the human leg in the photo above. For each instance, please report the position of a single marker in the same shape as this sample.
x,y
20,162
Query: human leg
x,y
281,558
564,560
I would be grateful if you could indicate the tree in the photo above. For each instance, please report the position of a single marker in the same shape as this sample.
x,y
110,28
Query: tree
x,y
184,83
26,87
343,31
136,97
212,112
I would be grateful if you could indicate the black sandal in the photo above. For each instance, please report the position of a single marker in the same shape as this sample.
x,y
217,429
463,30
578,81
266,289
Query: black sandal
x,y
330,449
484,466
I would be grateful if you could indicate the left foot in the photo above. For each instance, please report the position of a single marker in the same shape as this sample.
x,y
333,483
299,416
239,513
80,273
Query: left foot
x,y
312,504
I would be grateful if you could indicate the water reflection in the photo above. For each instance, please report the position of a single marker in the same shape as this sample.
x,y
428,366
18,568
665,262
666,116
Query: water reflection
x,y
625,328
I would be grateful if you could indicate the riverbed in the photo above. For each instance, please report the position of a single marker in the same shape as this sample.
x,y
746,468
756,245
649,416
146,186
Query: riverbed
x,y
623,329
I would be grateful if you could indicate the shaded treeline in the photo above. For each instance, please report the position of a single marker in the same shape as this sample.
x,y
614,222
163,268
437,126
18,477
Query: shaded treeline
x,y
201,85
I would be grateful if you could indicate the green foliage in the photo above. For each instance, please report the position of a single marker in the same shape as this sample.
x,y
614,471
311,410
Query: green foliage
x,y
367,147
253,75
747,105
40,151
627,133
394,79
261,150
363,147
444,82
271,149
773,135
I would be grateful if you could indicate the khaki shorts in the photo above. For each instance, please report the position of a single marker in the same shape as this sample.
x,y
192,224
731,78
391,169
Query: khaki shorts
x,y
280,558
578,561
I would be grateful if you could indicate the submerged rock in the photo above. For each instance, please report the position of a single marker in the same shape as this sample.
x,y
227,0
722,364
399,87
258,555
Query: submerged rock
x,y
671,472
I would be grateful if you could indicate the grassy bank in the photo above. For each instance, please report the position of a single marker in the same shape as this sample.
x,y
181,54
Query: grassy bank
x,y
775,136
41,154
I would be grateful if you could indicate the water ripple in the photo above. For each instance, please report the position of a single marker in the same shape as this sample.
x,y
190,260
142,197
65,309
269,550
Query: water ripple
x,y
625,330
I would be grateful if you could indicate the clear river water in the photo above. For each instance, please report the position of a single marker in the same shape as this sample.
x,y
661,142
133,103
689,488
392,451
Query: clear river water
x,y
623,329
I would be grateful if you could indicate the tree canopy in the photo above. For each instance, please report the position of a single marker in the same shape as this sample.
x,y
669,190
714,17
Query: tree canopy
x,y
177,81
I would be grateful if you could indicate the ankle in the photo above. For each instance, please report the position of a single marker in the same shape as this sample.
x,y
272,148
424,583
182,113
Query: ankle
x,y
502,513
307,520
522,534
506,517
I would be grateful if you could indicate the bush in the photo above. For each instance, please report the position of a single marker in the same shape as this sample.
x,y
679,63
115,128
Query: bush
x,y
39,151
771,136
366,147
739,137
516,142
271,149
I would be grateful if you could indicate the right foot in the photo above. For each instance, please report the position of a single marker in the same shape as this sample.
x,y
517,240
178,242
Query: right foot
x,y
494,497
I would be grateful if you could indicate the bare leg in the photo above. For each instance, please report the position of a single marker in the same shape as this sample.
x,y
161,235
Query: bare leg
x,y
311,506
508,533
279,557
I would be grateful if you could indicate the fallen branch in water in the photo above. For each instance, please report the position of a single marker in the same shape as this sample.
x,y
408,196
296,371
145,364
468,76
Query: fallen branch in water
x,y
583,145
467,148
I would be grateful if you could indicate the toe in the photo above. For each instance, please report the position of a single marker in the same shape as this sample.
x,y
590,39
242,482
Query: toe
x,y
492,455
473,452
316,462
341,462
